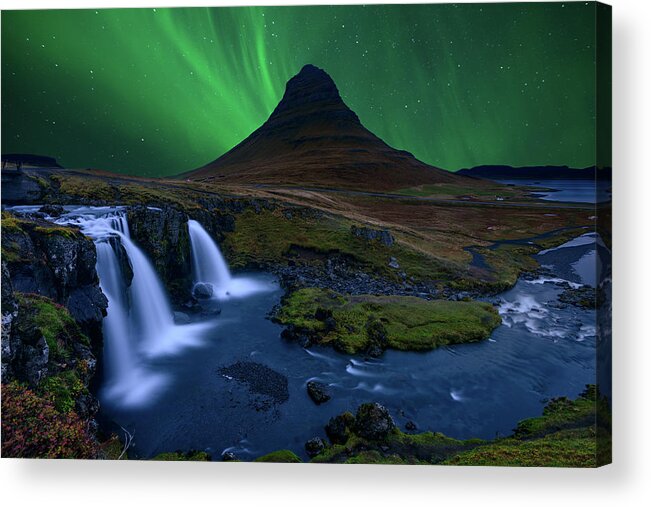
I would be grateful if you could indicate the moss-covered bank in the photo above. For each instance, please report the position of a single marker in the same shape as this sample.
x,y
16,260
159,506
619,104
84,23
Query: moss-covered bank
x,y
570,433
354,324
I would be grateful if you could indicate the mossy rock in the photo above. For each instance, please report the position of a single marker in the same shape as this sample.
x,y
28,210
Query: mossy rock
x,y
53,321
282,456
182,456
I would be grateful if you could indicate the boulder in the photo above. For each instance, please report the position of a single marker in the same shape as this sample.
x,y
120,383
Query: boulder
x,y
314,446
52,210
393,263
202,290
339,428
181,318
382,236
373,421
318,392
229,456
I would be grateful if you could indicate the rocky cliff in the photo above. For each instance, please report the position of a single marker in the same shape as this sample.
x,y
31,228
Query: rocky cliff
x,y
52,310
58,263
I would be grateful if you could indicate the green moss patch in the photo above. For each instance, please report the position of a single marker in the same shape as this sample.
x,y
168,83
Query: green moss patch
x,y
182,456
352,324
282,456
63,389
53,322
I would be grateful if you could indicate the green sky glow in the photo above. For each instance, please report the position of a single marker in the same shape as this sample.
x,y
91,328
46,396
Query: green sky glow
x,y
161,91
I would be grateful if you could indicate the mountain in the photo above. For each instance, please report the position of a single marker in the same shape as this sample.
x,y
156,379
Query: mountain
x,y
313,139
548,172
28,160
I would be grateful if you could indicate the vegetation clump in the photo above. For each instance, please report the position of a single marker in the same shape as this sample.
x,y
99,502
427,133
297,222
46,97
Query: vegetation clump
x,y
354,324
570,433
43,316
32,427
182,456
282,456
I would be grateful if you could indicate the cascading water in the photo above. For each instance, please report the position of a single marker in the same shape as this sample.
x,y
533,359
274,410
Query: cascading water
x,y
209,266
139,323
151,314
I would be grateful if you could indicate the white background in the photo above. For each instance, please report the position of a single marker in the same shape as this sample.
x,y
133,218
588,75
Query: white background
x,y
626,482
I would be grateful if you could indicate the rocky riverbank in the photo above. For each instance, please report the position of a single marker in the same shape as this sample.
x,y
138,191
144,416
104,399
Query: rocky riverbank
x,y
567,434
52,308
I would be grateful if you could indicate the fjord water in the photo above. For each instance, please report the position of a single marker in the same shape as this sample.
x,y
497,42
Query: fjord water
x,y
592,191
163,382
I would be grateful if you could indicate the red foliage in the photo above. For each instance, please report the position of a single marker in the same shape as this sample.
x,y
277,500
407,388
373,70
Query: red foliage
x,y
32,428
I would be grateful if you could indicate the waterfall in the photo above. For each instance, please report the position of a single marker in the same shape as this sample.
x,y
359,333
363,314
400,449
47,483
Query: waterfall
x,y
151,314
139,322
117,352
208,264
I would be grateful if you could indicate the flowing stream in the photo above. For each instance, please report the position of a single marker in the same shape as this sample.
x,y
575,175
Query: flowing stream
x,y
171,385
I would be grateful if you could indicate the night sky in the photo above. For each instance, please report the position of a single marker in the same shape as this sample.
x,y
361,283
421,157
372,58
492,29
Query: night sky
x,y
160,91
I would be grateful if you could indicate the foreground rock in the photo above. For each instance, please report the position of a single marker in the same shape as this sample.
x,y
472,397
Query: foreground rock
x,y
314,446
260,380
202,290
318,392
583,297
373,421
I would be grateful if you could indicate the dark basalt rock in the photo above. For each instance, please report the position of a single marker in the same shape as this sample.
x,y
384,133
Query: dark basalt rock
x,y
410,426
229,456
583,297
377,335
52,210
340,427
318,392
9,314
20,188
260,379
163,235
59,263
202,291
181,318
314,446
366,233
373,421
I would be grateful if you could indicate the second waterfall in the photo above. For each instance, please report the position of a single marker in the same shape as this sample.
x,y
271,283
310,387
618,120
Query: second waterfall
x,y
209,267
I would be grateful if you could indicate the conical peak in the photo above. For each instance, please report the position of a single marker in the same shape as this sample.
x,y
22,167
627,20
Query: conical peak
x,y
311,76
311,87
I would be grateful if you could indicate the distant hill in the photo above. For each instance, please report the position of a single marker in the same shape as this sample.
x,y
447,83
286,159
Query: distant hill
x,y
28,160
548,172
313,139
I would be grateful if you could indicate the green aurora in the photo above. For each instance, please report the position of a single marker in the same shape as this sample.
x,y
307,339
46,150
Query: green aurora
x,y
159,91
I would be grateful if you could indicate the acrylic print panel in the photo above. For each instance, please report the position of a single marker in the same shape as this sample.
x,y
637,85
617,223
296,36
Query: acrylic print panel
x,y
332,234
